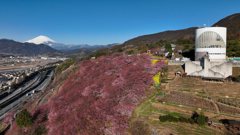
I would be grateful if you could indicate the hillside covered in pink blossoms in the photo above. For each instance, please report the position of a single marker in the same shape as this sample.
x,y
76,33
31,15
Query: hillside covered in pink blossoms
x,y
100,97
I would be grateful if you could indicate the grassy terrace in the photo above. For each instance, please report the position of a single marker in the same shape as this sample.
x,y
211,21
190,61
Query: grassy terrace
x,y
185,90
150,110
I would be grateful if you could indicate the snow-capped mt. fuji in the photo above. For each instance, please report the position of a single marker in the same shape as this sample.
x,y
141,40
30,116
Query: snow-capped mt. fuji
x,y
41,40
59,46
47,41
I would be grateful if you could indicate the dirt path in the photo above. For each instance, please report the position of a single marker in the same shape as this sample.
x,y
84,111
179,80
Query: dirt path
x,y
49,94
217,109
45,98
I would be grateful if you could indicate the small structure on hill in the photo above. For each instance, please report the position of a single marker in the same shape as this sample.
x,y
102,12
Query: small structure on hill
x,y
234,126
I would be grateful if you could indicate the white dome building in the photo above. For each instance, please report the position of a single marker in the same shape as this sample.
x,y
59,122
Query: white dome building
x,y
211,40
210,55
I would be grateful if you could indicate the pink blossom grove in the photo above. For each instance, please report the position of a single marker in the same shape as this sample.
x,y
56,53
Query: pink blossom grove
x,y
100,97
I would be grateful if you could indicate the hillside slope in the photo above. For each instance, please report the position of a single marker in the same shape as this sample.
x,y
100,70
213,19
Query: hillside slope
x,y
77,53
166,35
232,23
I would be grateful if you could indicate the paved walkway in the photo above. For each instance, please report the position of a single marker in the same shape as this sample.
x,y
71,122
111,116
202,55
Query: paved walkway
x,y
45,98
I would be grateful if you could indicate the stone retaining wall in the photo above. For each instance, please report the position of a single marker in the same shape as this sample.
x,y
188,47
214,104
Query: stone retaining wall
x,y
182,98
223,108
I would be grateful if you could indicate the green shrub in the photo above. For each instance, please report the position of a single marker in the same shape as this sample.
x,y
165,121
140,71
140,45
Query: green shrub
x,y
163,118
236,79
23,103
40,130
201,119
206,119
195,115
221,121
183,119
119,50
98,54
169,118
44,75
130,52
64,66
24,118
191,121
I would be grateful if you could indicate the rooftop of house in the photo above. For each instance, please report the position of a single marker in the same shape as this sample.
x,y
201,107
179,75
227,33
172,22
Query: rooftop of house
x,y
234,122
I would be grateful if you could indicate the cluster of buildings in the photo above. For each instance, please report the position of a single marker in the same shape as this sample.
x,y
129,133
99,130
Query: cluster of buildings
x,y
8,77
162,51
53,58
12,60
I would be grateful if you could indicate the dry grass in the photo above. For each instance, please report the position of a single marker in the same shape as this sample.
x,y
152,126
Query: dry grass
x,y
150,110
236,71
172,69
212,89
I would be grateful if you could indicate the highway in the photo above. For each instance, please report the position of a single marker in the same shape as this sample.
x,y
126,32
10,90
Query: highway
x,y
20,96
25,88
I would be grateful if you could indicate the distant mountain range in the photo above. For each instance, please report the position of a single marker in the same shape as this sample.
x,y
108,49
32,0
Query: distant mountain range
x,y
43,45
12,47
59,46
232,23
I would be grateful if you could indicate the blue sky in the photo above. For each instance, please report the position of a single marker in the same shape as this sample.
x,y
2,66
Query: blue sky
x,y
105,21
